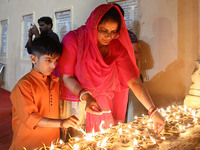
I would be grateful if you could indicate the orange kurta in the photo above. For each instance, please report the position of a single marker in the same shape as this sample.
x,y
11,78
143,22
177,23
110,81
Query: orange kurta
x,y
33,98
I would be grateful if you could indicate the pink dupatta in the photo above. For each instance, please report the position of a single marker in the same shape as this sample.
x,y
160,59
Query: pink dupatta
x,y
82,59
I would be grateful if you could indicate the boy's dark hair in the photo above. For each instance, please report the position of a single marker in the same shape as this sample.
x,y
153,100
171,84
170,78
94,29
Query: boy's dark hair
x,y
46,20
112,14
45,45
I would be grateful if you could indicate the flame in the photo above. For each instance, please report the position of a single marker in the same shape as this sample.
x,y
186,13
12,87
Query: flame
x,y
168,109
195,120
185,108
100,126
163,138
120,131
119,123
89,137
135,143
193,113
136,117
167,118
61,142
52,147
98,143
136,131
76,139
93,133
152,140
76,147
127,131
180,128
162,110
104,142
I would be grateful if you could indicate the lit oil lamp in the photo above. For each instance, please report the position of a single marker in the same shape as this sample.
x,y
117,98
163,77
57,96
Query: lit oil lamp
x,y
102,145
74,140
151,142
58,143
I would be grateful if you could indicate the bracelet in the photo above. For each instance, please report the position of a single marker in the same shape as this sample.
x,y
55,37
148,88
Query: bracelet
x,y
150,112
79,93
61,124
153,113
85,92
151,109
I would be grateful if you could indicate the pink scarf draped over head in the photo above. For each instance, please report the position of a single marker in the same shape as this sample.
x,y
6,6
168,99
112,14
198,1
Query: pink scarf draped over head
x,y
89,67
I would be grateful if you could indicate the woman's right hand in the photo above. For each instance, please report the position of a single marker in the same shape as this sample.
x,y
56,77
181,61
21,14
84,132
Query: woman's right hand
x,y
91,105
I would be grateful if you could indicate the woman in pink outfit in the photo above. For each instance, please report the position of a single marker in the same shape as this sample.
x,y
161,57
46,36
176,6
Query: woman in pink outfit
x,y
97,68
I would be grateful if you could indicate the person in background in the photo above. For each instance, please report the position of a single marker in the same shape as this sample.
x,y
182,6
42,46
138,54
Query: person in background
x,y
45,26
98,67
35,99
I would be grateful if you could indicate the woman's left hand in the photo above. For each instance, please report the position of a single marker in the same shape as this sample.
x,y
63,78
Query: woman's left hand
x,y
92,106
158,121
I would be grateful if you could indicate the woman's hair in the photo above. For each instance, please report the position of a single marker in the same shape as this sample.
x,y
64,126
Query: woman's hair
x,y
112,14
45,45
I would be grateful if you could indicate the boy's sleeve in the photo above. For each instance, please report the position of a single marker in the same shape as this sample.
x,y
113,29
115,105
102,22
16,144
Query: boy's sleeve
x,y
68,59
23,105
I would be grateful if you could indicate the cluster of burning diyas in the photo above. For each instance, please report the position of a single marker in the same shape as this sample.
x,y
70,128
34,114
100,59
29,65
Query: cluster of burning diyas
x,y
136,135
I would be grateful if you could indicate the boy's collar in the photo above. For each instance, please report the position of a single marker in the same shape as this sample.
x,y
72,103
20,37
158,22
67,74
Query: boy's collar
x,y
38,75
41,76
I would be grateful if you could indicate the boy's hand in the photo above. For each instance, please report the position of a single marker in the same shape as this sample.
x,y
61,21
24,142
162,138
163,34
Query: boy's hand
x,y
72,121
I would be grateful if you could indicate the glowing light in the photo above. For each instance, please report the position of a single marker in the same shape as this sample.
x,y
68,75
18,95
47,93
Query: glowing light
x,y
152,140
120,131
76,147
101,129
163,138
52,147
61,142
127,131
135,143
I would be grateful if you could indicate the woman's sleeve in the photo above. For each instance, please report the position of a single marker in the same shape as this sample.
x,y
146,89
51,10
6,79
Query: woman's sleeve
x,y
127,67
68,59
23,104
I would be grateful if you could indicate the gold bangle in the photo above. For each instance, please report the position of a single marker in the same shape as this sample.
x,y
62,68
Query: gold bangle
x,y
153,113
85,92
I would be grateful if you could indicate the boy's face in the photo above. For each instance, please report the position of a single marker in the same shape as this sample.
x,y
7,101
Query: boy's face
x,y
45,64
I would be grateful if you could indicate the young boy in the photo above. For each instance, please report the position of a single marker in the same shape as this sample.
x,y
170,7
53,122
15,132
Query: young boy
x,y
35,100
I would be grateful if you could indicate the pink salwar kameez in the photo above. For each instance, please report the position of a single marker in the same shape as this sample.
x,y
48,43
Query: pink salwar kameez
x,y
106,78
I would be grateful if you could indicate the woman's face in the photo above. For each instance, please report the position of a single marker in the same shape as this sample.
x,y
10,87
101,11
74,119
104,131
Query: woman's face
x,y
107,30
